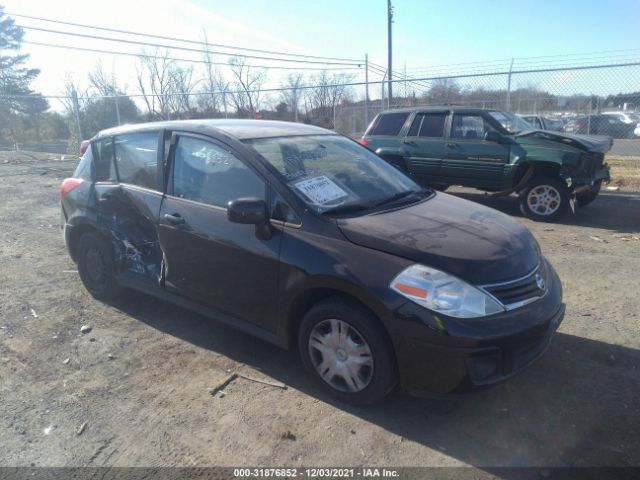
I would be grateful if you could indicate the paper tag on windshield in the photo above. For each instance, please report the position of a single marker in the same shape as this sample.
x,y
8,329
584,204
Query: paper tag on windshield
x,y
320,189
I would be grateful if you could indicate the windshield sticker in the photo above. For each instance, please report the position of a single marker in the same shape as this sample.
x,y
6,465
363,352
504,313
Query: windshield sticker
x,y
320,190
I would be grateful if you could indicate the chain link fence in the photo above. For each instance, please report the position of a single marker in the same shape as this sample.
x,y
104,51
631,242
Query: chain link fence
x,y
602,100
593,100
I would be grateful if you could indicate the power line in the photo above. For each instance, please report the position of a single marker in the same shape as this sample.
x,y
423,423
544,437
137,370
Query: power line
x,y
519,61
184,40
346,84
187,49
422,88
138,55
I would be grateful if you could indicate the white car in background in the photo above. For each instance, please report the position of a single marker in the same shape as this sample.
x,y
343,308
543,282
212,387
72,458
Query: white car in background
x,y
628,117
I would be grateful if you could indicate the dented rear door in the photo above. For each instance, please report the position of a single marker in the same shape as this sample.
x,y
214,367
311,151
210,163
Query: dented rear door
x,y
129,195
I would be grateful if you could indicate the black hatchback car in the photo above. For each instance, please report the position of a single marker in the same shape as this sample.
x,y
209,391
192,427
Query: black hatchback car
x,y
308,240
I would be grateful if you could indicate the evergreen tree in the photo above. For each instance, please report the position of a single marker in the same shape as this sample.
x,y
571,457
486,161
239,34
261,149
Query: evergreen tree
x,y
17,100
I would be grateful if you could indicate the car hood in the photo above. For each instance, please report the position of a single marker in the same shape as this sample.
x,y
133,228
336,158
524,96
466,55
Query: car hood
x,y
589,143
473,242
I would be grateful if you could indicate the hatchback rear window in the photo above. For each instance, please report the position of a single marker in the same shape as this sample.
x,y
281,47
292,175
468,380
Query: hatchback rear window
x,y
136,158
389,123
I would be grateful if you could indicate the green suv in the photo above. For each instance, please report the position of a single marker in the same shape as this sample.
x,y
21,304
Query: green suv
x,y
493,151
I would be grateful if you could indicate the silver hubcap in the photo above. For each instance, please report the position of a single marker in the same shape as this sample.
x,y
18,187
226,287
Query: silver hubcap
x,y
544,200
341,356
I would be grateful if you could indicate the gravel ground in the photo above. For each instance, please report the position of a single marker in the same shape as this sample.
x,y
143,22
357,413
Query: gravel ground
x,y
135,390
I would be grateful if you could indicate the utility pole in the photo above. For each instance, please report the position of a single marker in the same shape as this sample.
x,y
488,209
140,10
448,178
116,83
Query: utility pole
x,y
389,48
366,90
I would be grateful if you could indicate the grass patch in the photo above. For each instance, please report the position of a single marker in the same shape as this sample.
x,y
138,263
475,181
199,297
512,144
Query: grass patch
x,y
625,171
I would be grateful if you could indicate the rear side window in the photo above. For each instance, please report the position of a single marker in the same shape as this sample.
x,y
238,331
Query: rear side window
x,y
103,162
137,159
206,172
83,170
429,125
389,123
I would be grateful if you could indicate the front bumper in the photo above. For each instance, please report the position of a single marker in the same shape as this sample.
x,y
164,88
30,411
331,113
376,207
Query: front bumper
x,y
456,355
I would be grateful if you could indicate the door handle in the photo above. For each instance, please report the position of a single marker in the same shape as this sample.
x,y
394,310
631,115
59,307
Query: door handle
x,y
452,144
174,218
409,142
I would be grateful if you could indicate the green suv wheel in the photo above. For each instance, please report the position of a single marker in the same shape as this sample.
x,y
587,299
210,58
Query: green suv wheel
x,y
545,199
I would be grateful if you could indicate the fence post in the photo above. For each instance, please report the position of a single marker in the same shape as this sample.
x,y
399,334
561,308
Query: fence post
x,y
76,112
509,86
117,110
366,90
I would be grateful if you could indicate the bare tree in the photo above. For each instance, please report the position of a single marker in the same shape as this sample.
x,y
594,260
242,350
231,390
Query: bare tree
x,y
327,93
155,82
246,86
181,85
291,96
213,83
103,83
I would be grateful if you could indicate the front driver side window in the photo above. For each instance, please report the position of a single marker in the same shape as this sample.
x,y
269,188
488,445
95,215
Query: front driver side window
x,y
208,173
469,127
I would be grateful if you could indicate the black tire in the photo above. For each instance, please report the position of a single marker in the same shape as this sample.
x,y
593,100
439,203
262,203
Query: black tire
x,y
545,199
363,331
96,266
584,199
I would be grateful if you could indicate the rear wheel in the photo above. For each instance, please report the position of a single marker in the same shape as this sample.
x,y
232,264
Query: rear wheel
x,y
346,351
545,199
584,199
96,266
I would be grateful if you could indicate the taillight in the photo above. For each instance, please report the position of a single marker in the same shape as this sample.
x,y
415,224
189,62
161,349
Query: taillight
x,y
83,146
69,184
363,141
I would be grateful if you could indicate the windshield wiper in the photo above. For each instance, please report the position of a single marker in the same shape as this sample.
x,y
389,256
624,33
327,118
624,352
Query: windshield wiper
x,y
348,208
399,196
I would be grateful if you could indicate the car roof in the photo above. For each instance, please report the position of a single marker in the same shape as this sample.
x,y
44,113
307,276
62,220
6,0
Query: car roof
x,y
241,129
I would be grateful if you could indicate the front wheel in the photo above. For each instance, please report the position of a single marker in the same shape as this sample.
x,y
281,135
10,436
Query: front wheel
x,y
347,352
545,199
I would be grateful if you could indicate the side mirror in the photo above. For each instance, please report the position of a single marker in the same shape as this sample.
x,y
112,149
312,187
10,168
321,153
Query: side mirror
x,y
493,136
250,211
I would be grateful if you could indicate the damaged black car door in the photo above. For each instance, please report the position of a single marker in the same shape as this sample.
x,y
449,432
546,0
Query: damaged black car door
x,y
129,193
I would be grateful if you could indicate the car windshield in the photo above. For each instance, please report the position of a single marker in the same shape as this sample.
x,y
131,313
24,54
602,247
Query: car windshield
x,y
511,122
333,174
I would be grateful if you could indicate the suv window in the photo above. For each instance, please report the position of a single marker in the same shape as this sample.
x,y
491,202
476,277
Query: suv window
x,y
137,159
389,123
104,169
428,125
208,173
469,127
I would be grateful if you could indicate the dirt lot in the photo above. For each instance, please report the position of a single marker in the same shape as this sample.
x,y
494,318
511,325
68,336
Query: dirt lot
x,y
140,381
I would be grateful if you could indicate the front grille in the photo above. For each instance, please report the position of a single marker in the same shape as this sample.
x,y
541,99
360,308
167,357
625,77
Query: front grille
x,y
522,290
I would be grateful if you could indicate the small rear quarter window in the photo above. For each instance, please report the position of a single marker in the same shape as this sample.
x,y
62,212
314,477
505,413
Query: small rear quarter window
x,y
389,123
83,170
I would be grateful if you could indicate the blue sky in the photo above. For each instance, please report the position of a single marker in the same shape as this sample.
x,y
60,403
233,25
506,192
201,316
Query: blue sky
x,y
426,33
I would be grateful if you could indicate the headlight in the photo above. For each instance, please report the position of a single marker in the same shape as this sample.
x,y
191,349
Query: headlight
x,y
444,293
